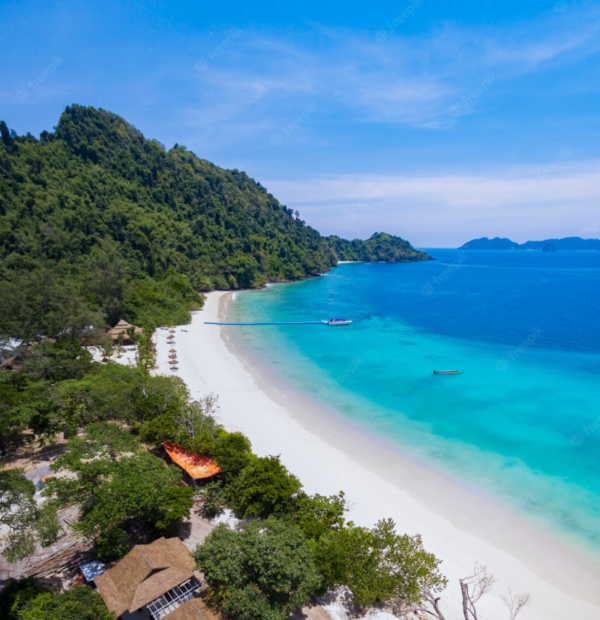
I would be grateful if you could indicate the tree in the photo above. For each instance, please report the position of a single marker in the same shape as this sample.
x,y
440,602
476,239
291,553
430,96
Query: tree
x,y
101,439
473,588
6,134
261,572
112,493
42,303
515,602
108,280
112,544
233,452
116,392
378,565
79,603
250,603
16,414
94,217
57,361
162,428
264,487
175,505
28,523
196,418
214,499
15,594
318,515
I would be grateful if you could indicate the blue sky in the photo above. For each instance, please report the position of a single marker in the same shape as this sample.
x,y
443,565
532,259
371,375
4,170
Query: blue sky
x,y
436,121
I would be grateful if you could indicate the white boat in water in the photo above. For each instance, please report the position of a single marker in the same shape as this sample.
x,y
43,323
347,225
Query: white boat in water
x,y
337,322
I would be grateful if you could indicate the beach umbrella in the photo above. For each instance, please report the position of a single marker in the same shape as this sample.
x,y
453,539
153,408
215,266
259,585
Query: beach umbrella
x,y
172,350
171,331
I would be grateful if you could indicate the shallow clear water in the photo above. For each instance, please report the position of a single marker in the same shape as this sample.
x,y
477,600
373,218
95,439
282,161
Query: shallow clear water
x,y
522,421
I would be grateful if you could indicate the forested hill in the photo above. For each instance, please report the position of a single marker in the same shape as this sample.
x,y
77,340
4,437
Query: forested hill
x,y
95,212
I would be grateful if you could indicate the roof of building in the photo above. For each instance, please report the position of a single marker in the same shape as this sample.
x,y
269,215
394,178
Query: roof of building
x,y
93,569
122,327
192,610
145,573
11,363
196,465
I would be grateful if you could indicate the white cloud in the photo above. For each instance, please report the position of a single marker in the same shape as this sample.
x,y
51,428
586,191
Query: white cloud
x,y
417,81
557,200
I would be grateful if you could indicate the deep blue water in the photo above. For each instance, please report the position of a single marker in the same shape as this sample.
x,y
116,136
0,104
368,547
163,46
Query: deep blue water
x,y
522,421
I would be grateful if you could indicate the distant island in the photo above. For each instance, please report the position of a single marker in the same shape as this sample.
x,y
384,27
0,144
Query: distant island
x,y
548,245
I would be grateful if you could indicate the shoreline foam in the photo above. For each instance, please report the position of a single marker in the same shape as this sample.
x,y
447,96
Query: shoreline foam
x,y
329,454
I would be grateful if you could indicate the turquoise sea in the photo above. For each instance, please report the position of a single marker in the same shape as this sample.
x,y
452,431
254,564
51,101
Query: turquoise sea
x,y
522,422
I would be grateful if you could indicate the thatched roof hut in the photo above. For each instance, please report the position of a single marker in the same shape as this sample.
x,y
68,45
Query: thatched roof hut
x,y
146,574
120,332
12,363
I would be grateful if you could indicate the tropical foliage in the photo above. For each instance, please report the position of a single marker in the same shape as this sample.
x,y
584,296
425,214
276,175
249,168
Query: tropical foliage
x,y
262,571
28,522
79,603
114,492
99,223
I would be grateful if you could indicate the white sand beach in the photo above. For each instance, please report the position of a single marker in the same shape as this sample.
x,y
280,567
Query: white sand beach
x,y
457,523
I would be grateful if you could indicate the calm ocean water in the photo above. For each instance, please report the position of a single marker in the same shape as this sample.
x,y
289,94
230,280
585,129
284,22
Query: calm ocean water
x,y
522,421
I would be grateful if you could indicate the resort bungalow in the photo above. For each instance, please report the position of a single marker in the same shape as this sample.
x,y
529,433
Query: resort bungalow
x,y
120,332
12,363
195,466
152,582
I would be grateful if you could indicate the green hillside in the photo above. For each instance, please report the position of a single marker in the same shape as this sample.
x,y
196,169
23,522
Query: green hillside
x,y
95,218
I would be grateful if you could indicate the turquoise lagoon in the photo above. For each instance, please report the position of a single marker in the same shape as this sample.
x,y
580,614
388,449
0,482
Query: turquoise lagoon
x,y
522,421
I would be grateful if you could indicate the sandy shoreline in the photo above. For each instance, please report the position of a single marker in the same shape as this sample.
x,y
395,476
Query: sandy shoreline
x,y
328,454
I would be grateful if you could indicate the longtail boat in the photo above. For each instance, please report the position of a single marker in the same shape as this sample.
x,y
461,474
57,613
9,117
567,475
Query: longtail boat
x,y
448,372
337,322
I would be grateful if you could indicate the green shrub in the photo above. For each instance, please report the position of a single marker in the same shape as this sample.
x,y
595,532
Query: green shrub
x,y
259,573
263,488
